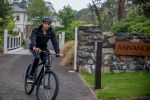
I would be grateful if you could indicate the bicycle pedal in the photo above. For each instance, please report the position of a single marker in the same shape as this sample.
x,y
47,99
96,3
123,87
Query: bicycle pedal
x,y
41,86
47,87
48,70
30,82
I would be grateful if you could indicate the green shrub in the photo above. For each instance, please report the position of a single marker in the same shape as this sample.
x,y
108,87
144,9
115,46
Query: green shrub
x,y
121,27
1,39
13,33
58,28
142,27
1,49
138,24
1,43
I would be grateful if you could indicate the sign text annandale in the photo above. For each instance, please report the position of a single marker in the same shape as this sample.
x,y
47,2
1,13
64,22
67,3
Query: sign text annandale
x,y
132,48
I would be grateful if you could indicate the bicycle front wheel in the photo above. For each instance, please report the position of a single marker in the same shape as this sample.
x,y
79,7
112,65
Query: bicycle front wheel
x,y
28,86
47,87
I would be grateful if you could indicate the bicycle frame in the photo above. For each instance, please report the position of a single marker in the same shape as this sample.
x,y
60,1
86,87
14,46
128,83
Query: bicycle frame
x,y
43,67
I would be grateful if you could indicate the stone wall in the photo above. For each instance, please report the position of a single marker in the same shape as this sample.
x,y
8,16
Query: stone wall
x,y
88,35
116,63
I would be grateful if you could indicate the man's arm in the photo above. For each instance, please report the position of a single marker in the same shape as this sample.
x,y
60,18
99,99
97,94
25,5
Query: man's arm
x,y
55,42
33,38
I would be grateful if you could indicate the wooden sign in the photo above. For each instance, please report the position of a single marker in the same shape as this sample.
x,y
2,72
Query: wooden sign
x,y
132,48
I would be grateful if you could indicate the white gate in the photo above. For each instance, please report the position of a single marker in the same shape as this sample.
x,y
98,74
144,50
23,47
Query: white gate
x,y
11,43
61,40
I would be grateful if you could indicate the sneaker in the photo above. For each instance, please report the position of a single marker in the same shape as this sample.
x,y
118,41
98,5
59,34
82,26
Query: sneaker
x,y
30,79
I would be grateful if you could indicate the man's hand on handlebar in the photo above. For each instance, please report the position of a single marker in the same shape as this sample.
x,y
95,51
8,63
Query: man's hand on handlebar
x,y
60,55
37,50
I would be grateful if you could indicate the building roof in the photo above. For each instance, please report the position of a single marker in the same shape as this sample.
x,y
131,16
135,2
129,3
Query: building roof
x,y
17,9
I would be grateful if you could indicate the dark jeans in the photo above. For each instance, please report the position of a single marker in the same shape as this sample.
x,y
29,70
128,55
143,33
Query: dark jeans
x,y
36,58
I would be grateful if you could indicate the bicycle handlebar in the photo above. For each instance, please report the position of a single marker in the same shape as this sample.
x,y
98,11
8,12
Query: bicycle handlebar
x,y
49,53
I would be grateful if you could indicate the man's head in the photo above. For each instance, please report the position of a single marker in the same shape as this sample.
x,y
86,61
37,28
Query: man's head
x,y
46,22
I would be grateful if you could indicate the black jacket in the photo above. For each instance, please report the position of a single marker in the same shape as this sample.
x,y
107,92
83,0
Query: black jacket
x,y
39,40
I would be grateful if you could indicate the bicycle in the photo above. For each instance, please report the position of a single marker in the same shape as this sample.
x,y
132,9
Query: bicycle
x,y
46,81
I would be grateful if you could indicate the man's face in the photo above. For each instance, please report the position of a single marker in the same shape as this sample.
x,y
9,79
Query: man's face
x,y
46,25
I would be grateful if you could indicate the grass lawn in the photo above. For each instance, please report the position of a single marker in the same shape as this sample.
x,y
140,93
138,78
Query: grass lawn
x,y
121,85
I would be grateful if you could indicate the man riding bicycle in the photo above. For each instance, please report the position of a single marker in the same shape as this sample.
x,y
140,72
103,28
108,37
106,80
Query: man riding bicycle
x,y
39,38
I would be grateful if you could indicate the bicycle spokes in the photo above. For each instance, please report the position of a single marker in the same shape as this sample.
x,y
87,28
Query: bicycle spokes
x,y
47,87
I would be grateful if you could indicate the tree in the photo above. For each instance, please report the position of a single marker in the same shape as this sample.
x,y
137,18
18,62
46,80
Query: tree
x,y
106,13
67,15
6,19
144,6
121,9
86,14
123,15
50,7
36,10
137,1
6,15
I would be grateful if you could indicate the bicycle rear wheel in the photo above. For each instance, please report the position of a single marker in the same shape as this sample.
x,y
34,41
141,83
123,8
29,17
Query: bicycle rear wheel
x,y
28,86
47,87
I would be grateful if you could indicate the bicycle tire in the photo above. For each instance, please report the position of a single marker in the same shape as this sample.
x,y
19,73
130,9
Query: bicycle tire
x,y
26,83
50,74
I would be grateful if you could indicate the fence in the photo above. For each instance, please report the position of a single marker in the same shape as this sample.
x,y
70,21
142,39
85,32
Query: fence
x,y
11,43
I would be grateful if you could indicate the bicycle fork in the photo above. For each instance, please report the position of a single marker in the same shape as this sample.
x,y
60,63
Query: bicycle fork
x,y
46,78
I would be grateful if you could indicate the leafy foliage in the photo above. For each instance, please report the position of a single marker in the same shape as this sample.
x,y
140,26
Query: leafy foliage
x,y
67,16
109,11
6,19
70,31
106,13
137,24
6,15
37,9
1,38
86,14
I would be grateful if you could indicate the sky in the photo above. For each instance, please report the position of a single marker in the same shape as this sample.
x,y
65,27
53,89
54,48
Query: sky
x,y
75,4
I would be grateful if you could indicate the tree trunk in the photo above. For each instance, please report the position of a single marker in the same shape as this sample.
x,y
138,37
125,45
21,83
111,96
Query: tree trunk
x,y
121,9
